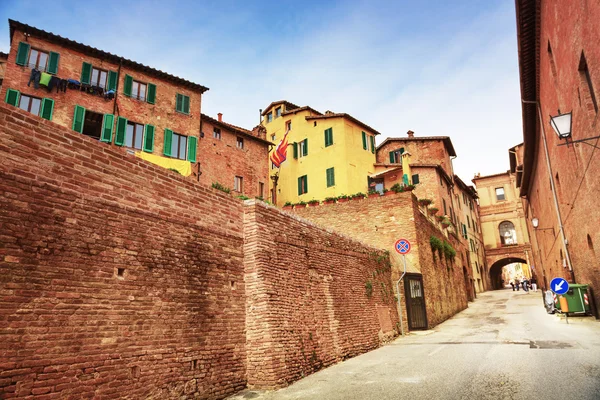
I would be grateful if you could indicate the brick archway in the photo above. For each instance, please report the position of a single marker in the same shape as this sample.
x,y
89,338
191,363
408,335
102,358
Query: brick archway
x,y
498,258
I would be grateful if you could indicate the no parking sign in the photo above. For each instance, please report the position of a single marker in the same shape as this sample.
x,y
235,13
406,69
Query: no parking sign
x,y
402,246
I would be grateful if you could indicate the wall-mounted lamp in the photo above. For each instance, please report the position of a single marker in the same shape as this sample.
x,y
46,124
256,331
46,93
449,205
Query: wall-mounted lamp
x,y
536,222
562,124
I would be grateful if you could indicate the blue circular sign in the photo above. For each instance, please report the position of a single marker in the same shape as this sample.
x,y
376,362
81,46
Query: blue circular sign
x,y
402,246
559,285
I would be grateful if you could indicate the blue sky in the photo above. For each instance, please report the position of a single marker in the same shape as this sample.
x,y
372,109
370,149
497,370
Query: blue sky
x,y
435,67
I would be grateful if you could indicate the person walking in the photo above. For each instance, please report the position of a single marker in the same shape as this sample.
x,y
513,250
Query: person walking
x,y
517,283
512,284
534,284
525,285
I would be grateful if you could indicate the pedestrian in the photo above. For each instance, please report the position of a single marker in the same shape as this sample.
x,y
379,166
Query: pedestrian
x,y
517,283
534,284
512,284
525,285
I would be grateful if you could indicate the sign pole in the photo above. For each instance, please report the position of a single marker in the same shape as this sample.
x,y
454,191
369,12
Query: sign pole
x,y
399,297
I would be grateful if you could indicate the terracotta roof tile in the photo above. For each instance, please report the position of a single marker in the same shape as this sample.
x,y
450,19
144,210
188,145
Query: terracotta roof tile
x,y
343,115
235,128
445,139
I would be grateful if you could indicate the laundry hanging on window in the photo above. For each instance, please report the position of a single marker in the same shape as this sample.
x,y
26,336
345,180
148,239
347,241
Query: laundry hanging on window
x,y
45,79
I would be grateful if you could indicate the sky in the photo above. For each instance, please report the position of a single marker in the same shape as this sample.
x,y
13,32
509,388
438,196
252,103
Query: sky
x,y
436,67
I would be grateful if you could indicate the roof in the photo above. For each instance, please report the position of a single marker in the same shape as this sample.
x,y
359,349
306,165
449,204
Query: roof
x,y
343,115
304,108
3,55
101,54
467,188
528,40
445,139
235,129
441,170
377,174
288,106
489,176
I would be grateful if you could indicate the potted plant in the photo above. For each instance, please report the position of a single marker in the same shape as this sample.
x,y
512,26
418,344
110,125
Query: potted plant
x,y
300,204
425,202
288,205
358,196
441,217
446,222
373,193
433,210
387,192
313,203
329,200
397,188
342,199
409,188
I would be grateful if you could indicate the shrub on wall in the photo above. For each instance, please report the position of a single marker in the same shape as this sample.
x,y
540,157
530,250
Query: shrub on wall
x,y
220,187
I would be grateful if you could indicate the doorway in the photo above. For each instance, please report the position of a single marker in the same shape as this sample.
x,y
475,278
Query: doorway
x,y
92,124
415,302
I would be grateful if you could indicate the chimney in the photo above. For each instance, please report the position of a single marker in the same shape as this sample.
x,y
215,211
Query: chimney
x,y
410,134
220,117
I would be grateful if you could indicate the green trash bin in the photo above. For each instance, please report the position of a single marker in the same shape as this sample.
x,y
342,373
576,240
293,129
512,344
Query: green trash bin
x,y
576,299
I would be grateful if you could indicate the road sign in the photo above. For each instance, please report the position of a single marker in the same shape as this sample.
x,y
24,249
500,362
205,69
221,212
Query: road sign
x,y
559,286
402,246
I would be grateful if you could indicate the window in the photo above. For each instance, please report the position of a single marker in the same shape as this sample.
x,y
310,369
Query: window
x,y
240,143
238,184
444,202
372,144
179,146
303,148
269,117
500,194
396,156
273,137
468,221
217,133
508,235
138,90
38,59
182,103
415,179
303,185
288,126
278,112
328,137
98,78
330,177
134,135
30,104
364,141
261,190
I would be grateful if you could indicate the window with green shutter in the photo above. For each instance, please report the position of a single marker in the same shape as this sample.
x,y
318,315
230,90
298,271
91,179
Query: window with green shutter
x,y
149,139
53,62
295,147
328,137
192,148
186,104
151,98
305,147
127,86
86,73
121,131
330,177
78,118
415,179
107,128
392,157
113,77
168,140
302,185
182,103
364,138
22,53
47,108
372,144
12,97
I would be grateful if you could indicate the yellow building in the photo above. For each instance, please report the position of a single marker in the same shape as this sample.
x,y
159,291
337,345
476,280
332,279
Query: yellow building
x,y
329,154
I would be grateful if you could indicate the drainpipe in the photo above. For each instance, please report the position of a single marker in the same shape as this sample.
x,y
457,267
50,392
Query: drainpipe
x,y
558,216
117,87
398,290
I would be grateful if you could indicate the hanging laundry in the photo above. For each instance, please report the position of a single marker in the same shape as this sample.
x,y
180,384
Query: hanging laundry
x,y
54,81
109,95
35,78
62,85
45,79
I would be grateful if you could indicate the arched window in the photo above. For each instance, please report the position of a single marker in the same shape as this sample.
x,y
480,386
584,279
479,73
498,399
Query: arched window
x,y
508,235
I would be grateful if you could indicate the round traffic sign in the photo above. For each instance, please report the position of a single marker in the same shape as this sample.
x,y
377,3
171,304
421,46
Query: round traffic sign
x,y
402,246
559,286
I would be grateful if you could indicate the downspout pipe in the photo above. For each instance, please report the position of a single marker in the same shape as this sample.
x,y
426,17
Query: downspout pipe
x,y
552,186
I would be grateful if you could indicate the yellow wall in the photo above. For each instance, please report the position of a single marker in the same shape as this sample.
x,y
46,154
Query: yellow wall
x,y
352,164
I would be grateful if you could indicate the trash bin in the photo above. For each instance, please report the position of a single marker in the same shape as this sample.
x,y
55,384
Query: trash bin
x,y
577,299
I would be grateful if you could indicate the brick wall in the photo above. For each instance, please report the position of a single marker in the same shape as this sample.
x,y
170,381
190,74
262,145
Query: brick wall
x,y
380,221
422,151
307,299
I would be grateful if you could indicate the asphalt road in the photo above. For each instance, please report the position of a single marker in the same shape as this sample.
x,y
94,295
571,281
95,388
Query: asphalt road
x,y
504,346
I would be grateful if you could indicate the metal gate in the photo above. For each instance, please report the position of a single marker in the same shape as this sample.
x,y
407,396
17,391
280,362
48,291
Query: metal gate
x,y
415,302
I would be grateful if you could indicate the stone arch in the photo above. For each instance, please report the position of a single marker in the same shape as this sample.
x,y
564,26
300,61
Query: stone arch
x,y
496,270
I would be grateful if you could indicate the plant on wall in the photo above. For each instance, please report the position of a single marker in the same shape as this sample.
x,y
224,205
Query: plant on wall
x,y
369,288
449,251
436,245
220,187
425,202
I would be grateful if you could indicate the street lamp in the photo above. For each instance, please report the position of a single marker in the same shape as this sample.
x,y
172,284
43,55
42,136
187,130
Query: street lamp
x,y
562,124
535,222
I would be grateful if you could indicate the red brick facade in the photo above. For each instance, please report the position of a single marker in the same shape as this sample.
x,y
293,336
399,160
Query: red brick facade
x,y
222,157
560,68
120,279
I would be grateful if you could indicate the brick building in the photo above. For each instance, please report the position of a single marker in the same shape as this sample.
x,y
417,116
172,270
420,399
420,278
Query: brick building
x,y
234,157
559,68
3,61
102,95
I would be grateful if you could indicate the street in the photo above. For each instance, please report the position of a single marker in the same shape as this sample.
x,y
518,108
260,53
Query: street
x,y
504,346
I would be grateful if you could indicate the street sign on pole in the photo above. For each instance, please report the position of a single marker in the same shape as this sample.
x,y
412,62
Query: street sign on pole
x,y
402,246
559,286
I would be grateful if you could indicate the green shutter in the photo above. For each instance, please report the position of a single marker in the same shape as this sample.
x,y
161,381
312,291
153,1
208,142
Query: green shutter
x,y
179,103
401,150
150,98
330,136
330,177
373,144
326,132
47,108
167,142
121,131
86,73
186,104
305,183
107,128
12,97
415,179
192,148
22,53
299,186
112,80
149,138
53,62
305,150
364,137
127,86
392,158
78,118
295,146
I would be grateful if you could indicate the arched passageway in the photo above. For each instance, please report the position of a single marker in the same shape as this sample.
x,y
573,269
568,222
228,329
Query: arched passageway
x,y
496,270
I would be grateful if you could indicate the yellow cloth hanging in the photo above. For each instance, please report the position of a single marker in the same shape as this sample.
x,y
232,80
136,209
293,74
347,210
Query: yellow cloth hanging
x,y
182,166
